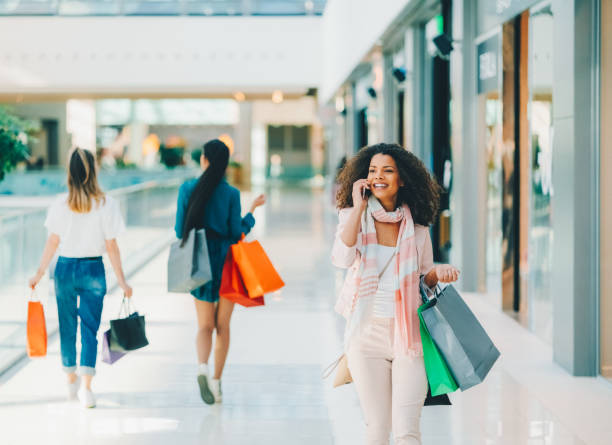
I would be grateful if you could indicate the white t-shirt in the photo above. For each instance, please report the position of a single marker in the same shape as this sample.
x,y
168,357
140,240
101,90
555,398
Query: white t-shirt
x,y
83,235
384,299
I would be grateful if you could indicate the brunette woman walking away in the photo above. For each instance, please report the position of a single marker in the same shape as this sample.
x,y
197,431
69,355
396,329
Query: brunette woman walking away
x,y
387,198
82,226
211,203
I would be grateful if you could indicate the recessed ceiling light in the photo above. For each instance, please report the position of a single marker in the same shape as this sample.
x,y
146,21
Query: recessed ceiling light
x,y
277,96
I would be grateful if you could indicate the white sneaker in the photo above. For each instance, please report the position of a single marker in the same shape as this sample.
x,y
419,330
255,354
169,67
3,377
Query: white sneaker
x,y
215,388
73,389
205,392
86,398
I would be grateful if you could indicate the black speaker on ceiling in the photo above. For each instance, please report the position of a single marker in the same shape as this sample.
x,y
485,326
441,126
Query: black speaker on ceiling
x,y
399,74
444,45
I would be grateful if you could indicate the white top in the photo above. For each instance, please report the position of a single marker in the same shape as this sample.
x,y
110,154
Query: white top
x,y
382,303
83,234
384,299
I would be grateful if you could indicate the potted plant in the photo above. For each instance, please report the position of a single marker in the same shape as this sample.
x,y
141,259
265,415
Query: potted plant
x,y
171,153
13,137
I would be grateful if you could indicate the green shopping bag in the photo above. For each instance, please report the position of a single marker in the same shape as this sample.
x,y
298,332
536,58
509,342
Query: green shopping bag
x,y
439,377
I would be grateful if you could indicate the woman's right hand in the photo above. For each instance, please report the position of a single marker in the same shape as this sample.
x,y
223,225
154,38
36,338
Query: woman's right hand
x,y
257,202
359,188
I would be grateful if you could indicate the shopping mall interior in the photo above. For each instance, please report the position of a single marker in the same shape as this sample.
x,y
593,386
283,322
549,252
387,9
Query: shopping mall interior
x,y
506,102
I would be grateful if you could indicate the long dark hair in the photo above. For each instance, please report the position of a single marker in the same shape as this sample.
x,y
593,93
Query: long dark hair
x,y
420,192
217,154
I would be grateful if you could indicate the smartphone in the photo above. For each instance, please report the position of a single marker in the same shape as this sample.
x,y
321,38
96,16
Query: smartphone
x,y
365,192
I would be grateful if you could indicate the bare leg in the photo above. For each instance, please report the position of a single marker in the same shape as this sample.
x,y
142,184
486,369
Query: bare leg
x,y
72,377
86,381
224,315
205,312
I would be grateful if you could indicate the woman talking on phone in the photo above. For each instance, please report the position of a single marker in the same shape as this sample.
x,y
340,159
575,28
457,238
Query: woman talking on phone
x,y
387,200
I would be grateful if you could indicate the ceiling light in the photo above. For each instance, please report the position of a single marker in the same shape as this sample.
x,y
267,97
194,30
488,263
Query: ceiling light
x,y
277,96
239,96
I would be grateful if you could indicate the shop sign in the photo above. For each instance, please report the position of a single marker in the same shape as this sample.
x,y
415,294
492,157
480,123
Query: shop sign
x,y
488,64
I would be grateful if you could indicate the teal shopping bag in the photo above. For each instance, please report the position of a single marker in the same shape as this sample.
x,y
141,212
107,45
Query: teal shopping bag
x,y
439,376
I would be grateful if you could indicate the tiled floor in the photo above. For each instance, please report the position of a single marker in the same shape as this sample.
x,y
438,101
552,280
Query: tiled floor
x,y
273,393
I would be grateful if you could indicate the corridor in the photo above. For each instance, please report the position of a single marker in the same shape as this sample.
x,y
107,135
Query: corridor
x,y
273,391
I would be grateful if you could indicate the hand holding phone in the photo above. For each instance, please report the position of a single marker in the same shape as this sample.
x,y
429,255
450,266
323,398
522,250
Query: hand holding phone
x,y
361,193
366,192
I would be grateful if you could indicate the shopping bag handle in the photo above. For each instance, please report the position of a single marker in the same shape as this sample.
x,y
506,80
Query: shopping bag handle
x,y
34,296
426,291
327,371
126,306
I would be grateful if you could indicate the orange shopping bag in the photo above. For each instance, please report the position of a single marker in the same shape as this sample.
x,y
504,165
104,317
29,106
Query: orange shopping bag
x,y
36,330
259,275
232,286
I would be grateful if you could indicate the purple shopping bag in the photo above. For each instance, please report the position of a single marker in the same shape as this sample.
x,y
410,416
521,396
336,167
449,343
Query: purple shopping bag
x,y
108,355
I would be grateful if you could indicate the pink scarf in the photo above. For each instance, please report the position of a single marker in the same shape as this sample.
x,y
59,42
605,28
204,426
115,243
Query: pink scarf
x,y
407,337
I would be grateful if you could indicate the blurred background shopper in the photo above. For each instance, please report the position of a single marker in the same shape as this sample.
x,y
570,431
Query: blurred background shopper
x,y
387,199
82,225
209,202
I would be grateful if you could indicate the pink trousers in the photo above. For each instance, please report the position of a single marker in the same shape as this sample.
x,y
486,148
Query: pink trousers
x,y
391,389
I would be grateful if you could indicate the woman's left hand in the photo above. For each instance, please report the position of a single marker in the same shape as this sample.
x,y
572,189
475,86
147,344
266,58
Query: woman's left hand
x,y
33,282
446,273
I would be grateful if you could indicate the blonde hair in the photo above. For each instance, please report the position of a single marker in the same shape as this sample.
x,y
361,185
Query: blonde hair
x,y
83,187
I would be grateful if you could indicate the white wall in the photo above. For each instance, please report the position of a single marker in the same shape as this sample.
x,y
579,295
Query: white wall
x,y
351,28
159,54
290,112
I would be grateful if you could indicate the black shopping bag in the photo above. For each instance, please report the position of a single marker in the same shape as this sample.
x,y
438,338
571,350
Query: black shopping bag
x,y
430,400
460,338
128,333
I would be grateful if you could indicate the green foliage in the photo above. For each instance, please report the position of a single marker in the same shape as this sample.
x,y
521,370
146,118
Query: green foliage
x,y
13,148
171,156
122,165
196,154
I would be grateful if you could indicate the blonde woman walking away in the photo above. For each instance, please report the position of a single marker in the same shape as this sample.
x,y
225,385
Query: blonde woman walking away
x,y
82,225
387,199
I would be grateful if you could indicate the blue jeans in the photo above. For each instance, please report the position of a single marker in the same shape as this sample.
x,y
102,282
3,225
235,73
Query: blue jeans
x,y
85,278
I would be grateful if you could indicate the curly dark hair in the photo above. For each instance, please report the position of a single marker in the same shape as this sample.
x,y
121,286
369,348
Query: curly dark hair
x,y
420,192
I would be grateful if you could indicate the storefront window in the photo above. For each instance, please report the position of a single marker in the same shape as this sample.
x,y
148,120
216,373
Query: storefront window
x,y
490,142
492,110
541,137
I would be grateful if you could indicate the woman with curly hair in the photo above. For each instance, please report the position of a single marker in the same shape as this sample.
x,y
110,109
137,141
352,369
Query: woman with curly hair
x,y
387,200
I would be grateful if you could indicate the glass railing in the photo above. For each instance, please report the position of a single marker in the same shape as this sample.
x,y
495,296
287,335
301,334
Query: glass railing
x,y
149,212
162,7
51,181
